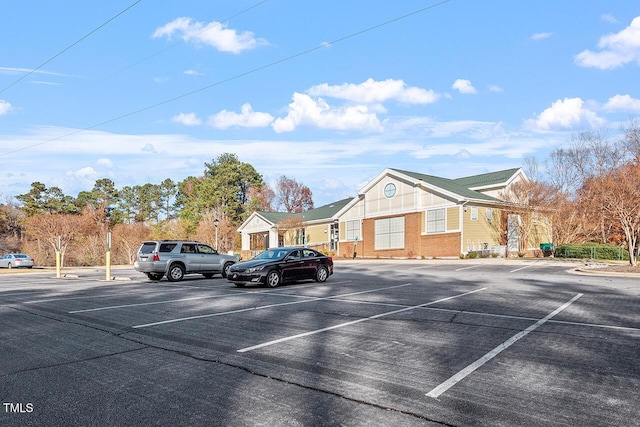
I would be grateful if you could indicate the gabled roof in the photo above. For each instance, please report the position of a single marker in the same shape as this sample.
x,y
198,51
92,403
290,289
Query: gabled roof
x,y
488,179
275,217
325,212
449,185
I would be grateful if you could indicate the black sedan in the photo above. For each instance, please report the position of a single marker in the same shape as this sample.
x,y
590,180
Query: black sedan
x,y
279,265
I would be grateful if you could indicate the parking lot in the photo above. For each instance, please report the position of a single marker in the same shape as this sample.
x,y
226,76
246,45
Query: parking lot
x,y
461,343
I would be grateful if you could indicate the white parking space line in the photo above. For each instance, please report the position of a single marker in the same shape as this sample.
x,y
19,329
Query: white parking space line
x,y
467,268
521,268
261,307
150,303
89,297
235,294
436,392
342,325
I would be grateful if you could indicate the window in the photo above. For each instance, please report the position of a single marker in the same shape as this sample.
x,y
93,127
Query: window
x,y
389,233
474,213
436,221
389,190
489,214
352,230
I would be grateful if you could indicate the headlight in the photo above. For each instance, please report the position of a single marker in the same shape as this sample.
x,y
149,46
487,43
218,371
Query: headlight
x,y
254,269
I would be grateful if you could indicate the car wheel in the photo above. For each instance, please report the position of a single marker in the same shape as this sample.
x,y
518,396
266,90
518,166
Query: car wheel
x,y
207,275
176,273
239,285
273,279
322,274
155,276
225,269
9,265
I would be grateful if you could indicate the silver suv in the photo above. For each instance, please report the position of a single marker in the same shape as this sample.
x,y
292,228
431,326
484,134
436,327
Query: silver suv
x,y
175,258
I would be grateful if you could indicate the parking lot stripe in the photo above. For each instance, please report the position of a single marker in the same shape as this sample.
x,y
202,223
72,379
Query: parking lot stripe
x,y
436,392
342,325
467,268
521,268
112,307
202,316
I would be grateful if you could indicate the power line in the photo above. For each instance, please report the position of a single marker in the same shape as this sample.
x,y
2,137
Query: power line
x,y
69,47
153,55
237,76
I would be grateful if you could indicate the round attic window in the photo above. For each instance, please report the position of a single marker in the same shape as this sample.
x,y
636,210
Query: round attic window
x,y
389,190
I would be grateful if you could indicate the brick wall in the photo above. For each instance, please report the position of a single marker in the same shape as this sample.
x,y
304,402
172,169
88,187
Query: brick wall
x,y
441,245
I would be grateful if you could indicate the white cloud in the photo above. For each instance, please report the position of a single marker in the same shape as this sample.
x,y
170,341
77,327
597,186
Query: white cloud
x,y
4,107
193,73
464,86
105,162
306,111
541,36
623,103
616,49
607,17
495,88
569,113
372,91
214,34
246,118
187,119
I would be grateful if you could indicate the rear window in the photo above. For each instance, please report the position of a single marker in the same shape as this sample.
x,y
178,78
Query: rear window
x,y
148,247
21,256
167,247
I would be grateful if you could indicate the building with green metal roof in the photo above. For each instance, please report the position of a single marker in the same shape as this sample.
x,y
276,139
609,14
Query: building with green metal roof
x,y
400,214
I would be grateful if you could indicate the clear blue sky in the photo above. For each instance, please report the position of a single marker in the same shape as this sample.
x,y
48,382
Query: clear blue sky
x,y
319,91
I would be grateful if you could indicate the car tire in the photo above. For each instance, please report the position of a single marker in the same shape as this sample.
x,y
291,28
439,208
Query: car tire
x,y
175,273
273,279
322,274
225,269
239,285
207,275
155,276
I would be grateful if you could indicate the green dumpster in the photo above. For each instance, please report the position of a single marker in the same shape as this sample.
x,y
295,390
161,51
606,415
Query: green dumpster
x,y
547,249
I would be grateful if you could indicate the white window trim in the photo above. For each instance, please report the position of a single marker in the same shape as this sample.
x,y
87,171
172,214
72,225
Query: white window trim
x,y
474,213
390,234
444,221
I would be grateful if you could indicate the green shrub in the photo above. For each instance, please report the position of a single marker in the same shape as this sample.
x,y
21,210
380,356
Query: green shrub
x,y
473,255
592,251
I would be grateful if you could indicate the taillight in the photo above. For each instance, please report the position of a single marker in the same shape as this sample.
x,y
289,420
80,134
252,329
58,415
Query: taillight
x,y
156,257
330,259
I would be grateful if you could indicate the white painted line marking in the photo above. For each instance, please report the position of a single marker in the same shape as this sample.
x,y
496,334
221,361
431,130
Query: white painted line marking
x,y
242,310
151,303
466,268
521,268
436,392
90,297
235,294
342,325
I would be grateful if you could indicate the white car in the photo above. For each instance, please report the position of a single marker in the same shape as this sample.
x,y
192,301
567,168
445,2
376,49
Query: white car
x,y
16,261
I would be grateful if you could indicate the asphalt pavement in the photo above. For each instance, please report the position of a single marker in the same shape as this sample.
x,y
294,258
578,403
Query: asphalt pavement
x,y
403,343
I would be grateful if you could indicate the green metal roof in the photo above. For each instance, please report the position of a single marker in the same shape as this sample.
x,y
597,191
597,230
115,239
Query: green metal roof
x,y
275,217
487,179
326,211
449,185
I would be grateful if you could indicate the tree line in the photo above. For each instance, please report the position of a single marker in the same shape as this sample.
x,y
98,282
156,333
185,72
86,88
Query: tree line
x,y
227,191
587,188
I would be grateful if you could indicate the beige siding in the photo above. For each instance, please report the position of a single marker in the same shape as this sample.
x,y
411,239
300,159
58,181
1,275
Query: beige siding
x,y
355,212
377,204
477,233
427,199
317,233
453,218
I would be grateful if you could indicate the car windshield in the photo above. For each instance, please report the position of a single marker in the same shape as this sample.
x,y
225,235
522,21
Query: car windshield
x,y
273,254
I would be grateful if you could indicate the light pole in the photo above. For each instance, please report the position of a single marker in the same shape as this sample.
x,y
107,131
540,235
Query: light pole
x,y
215,223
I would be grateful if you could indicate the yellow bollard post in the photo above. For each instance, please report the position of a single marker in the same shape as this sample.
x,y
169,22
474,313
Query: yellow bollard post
x,y
108,257
108,262
58,266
